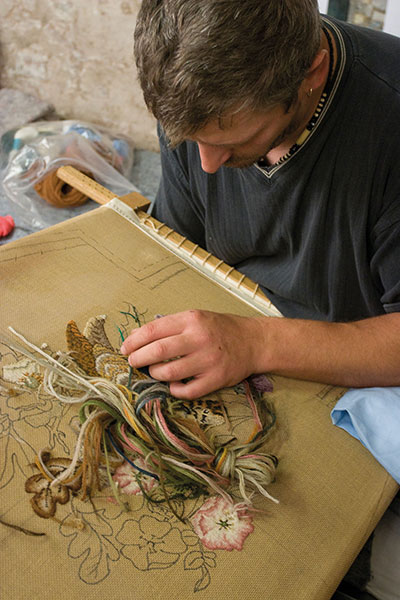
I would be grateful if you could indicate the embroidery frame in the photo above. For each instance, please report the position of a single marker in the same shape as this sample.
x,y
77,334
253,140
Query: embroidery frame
x,y
332,492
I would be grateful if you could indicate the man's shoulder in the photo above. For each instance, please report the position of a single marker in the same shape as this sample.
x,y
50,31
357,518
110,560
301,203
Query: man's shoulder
x,y
376,51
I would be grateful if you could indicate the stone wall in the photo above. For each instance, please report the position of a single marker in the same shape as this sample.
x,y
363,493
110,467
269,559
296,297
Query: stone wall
x,y
78,55
368,13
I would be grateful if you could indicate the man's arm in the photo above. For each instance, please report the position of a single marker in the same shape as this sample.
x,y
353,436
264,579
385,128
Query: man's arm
x,y
217,350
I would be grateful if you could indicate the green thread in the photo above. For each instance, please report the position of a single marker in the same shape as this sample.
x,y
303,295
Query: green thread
x,y
110,479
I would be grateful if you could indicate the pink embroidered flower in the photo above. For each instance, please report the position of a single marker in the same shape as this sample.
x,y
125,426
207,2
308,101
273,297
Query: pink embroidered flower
x,y
222,525
127,478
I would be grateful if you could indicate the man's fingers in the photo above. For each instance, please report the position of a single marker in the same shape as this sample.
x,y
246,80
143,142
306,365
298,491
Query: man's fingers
x,y
176,370
160,351
196,346
197,387
155,330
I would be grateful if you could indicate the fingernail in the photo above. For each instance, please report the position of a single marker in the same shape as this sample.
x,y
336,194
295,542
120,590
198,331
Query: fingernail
x,y
123,349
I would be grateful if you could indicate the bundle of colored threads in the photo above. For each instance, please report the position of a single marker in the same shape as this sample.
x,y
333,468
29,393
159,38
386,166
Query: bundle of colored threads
x,y
140,426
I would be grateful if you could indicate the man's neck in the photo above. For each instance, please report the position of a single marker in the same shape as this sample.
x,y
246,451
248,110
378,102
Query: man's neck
x,y
306,105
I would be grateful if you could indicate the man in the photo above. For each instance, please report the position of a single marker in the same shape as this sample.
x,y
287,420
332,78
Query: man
x,y
280,148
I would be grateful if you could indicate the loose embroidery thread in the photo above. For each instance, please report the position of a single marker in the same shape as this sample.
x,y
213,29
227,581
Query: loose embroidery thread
x,y
137,437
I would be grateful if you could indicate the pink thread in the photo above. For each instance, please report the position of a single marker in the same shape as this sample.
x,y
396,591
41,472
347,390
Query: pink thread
x,y
190,452
198,472
223,480
252,405
128,442
249,456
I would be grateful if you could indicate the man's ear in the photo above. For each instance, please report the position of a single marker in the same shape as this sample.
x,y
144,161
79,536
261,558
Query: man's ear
x,y
318,72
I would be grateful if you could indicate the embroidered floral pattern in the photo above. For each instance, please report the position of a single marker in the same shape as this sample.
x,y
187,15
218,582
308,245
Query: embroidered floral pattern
x,y
128,478
24,373
152,536
221,525
47,496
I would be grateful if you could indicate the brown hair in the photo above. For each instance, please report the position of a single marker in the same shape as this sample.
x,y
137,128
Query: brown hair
x,y
199,59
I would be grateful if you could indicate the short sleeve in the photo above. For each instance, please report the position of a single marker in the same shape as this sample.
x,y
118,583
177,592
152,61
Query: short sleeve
x,y
385,263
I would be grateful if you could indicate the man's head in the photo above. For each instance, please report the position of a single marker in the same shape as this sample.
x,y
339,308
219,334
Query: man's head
x,y
199,60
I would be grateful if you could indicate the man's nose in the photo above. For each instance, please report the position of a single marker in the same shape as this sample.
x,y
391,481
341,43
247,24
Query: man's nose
x,y
212,157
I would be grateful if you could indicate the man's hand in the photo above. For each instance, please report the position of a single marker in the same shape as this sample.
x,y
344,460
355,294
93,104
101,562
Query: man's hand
x,y
216,350
212,350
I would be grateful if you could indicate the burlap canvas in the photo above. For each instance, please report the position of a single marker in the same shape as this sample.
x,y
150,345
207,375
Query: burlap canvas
x,y
331,491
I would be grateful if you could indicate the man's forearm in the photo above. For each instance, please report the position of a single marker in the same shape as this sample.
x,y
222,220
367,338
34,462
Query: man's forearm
x,y
360,354
200,351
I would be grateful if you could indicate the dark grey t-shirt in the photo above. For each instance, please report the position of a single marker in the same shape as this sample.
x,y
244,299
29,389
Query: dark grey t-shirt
x,y
319,232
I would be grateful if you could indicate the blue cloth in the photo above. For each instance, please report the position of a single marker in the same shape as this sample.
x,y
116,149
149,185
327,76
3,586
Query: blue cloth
x,y
372,415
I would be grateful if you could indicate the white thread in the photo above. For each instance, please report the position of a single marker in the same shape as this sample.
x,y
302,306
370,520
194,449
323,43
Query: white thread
x,y
49,358
254,294
70,470
239,283
205,259
183,240
193,250
148,221
228,272
262,490
213,485
219,263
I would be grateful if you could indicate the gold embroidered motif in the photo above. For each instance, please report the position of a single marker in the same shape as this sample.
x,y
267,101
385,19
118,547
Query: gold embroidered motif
x,y
81,349
95,333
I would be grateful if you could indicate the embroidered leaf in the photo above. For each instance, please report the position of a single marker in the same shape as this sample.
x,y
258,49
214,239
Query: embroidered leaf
x,y
189,537
95,333
193,560
7,468
81,349
44,503
204,581
204,411
196,560
210,559
13,454
35,484
91,546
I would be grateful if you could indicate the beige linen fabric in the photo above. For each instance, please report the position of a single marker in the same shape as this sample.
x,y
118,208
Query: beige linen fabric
x,y
331,490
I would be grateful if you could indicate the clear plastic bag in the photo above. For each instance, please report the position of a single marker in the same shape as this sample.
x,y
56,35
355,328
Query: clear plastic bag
x,y
33,152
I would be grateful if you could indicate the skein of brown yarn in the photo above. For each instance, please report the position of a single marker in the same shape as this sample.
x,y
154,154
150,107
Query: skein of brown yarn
x,y
58,193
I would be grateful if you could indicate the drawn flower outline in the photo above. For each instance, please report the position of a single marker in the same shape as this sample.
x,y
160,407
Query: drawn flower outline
x,y
149,543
